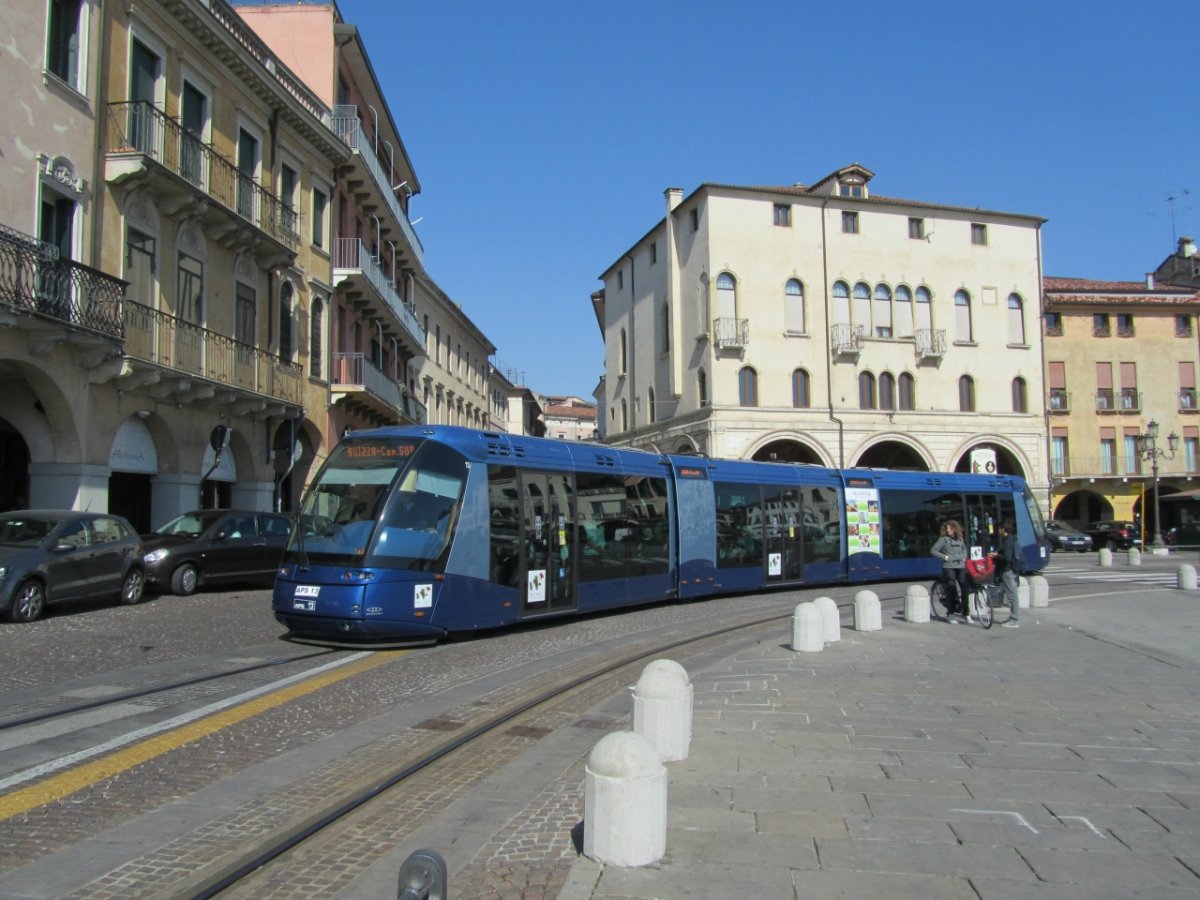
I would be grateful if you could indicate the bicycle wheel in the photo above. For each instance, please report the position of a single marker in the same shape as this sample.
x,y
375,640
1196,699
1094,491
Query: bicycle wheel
x,y
983,606
941,598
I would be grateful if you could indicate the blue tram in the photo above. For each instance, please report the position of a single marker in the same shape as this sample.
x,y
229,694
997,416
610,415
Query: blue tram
x,y
413,533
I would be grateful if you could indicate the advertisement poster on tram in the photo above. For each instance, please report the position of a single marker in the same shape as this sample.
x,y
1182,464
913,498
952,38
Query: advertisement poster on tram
x,y
863,522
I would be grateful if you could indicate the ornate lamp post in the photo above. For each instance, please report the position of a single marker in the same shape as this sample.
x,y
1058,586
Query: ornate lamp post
x,y
1148,448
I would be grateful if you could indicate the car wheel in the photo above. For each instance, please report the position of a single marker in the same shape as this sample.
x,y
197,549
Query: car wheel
x,y
29,602
185,579
133,587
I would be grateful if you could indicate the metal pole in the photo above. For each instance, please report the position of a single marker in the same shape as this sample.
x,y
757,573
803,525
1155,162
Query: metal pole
x,y
1158,539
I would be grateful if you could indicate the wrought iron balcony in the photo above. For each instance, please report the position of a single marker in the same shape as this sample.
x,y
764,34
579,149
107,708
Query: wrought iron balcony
x,y
36,282
931,342
729,333
346,125
139,131
189,349
1059,400
1187,400
845,338
1131,400
360,272
357,381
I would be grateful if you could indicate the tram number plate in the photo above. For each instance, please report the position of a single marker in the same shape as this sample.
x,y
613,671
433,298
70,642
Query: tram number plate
x,y
305,597
305,605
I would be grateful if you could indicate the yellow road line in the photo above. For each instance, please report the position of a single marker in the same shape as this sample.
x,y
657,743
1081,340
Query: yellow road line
x,y
64,785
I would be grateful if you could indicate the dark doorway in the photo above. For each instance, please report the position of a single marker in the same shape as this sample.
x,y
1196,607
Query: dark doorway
x,y
129,496
14,469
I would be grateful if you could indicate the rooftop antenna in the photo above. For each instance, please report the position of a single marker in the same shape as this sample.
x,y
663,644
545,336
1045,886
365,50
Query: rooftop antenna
x,y
1184,195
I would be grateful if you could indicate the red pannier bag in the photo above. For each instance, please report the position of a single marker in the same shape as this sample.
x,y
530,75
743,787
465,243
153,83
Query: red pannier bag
x,y
982,571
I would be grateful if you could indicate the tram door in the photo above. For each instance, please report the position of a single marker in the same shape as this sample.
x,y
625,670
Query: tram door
x,y
985,512
548,538
784,534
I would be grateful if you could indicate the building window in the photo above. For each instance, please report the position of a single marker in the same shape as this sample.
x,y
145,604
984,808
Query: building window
x,y
887,391
1133,459
245,317
624,415
653,252
316,352
437,344
64,37
907,389
620,279
1108,451
247,165
1183,326
962,317
623,351
978,234
849,189
57,225
747,387
190,287
850,222
793,308
1191,448
916,229
783,215
966,394
320,203
1053,323
141,268
695,219
801,389
1100,325
1125,327
1020,398
860,307
882,314
285,322
1059,454
1016,319
666,328
701,388
650,405
866,391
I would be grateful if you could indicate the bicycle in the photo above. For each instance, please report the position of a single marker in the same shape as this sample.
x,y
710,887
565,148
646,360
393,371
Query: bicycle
x,y
944,595
987,595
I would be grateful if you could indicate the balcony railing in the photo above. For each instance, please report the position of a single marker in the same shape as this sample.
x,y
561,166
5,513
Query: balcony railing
x,y
1115,466
187,348
931,342
138,127
1126,331
1187,400
731,332
356,369
846,338
33,279
1059,400
345,125
1105,400
351,254
1131,399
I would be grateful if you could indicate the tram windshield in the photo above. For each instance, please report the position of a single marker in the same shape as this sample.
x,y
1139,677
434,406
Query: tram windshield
x,y
385,501
1035,514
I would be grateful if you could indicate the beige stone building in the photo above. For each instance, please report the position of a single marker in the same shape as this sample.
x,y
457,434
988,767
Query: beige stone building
x,y
452,378
1119,356
828,324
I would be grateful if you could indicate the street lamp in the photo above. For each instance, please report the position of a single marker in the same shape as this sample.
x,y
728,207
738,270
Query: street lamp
x,y
1148,448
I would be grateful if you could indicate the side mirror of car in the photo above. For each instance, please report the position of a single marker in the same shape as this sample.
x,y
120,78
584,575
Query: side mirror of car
x,y
63,547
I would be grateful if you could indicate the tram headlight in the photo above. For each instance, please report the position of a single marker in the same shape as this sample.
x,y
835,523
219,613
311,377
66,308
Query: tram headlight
x,y
156,556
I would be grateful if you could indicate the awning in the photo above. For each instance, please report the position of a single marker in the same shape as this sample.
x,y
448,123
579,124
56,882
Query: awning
x,y
1193,494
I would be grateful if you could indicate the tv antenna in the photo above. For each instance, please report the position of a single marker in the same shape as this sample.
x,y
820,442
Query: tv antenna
x,y
1185,196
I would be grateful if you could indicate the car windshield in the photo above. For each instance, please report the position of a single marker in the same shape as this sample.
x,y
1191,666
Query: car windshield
x,y
22,531
189,524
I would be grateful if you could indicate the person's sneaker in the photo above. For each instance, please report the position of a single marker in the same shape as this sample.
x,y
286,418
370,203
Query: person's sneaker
x,y
1010,624
952,618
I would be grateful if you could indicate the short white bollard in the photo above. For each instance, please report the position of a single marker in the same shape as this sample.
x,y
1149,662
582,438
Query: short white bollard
x,y
1105,556
1039,591
831,618
625,802
808,629
662,708
867,614
1187,577
1135,556
1022,592
916,603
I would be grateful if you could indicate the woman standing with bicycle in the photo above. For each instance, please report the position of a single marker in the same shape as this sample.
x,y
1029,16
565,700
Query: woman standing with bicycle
x,y
952,551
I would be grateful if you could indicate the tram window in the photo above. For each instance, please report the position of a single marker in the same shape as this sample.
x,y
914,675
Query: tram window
x,y
985,512
822,524
601,525
418,523
646,544
739,526
505,516
912,520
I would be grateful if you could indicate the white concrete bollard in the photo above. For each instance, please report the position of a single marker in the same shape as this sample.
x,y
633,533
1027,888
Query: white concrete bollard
x,y
1039,590
867,614
1135,556
916,603
1187,577
662,708
1022,592
625,802
831,618
808,629
1105,556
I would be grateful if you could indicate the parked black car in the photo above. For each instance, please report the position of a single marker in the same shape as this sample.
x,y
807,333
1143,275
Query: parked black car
x,y
1114,535
48,555
216,546
1064,537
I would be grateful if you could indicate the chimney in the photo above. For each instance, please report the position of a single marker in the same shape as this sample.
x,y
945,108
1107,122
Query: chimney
x,y
674,197
1149,281
1187,247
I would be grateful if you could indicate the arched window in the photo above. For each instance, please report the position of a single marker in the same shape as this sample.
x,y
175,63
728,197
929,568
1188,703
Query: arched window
x,y
701,388
866,391
793,308
924,319
622,350
841,303
1016,319
285,322
650,404
902,313
801,389
1020,395
860,307
748,387
726,296
887,391
316,351
883,311
907,387
666,328
962,317
624,415
966,394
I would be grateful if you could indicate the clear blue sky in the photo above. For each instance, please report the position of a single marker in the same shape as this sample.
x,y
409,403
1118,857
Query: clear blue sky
x,y
544,133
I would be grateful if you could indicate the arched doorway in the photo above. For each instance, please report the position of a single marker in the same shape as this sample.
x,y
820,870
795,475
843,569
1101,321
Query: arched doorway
x,y
1081,507
892,455
14,469
133,460
1007,462
786,451
295,454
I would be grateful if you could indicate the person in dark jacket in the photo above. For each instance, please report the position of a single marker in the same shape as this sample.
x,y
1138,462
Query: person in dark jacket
x,y
952,551
1010,566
